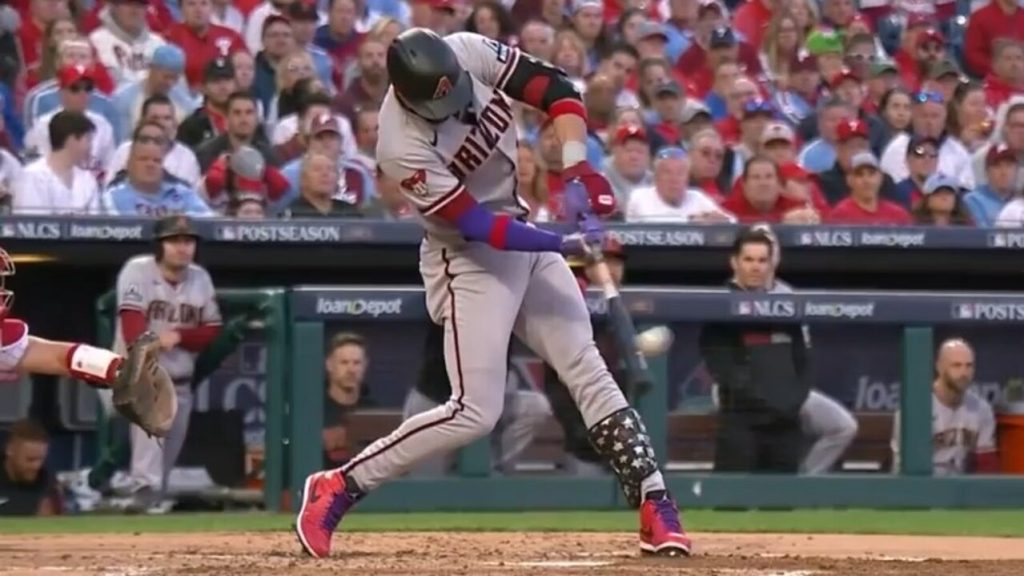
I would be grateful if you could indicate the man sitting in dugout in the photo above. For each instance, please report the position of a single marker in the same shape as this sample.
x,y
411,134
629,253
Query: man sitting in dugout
x,y
762,373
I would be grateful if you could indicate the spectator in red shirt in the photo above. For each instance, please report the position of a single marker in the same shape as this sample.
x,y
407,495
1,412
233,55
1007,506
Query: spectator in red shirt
x,y
629,166
997,19
695,65
201,40
753,17
371,84
339,37
668,105
41,13
864,206
757,113
906,56
1007,75
760,198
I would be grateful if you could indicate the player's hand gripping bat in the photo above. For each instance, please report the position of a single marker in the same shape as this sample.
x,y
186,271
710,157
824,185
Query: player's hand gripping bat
x,y
638,379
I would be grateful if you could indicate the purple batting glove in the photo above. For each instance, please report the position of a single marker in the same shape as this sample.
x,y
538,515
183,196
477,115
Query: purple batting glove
x,y
577,203
589,232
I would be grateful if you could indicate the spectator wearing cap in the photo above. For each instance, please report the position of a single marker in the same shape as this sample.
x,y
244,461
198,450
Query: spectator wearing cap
x,y
760,198
76,84
725,76
1007,76
694,118
124,43
278,43
58,182
757,113
922,162
56,55
986,202
1009,130
587,19
224,13
243,175
864,205
929,119
778,143
436,15
907,56
848,88
929,50
319,189
827,48
796,100
371,83
697,64
145,189
707,157
179,161
629,165
943,77
851,140
997,19
752,17
668,109
45,97
162,79
305,19
743,90
819,154
339,37
241,128
883,76
651,40
201,39
210,119
356,185
942,204
286,137
671,200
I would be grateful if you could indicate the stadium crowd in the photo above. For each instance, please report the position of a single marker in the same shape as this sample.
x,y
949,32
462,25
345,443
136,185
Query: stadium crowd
x,y
881,112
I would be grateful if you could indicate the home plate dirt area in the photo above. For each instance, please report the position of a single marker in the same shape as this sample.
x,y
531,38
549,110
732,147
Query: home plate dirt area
x,y
447,553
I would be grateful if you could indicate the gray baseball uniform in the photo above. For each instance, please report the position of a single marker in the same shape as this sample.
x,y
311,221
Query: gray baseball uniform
x,y
142,287
480,294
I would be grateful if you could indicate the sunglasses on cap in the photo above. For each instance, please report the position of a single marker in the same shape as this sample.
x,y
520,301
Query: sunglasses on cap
x,y
923,152
671,153
925,96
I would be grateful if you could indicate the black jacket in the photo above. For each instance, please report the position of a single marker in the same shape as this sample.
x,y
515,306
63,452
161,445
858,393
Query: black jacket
x,y
760,367
834,186
211,150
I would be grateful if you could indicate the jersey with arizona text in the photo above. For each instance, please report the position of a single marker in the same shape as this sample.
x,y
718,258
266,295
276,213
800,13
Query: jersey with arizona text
x,y
432,162
191,303
957,433
13,344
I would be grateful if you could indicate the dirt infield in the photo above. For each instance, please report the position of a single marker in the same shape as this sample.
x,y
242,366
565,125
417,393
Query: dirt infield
x,y
508,554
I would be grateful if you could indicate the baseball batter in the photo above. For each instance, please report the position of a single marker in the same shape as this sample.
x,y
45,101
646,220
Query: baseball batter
x,y
448,136
172,296
141,390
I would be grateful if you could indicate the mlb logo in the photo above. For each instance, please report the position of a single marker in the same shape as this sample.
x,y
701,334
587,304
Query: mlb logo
x,y
997,240
963,311
806,239
226,233
745,308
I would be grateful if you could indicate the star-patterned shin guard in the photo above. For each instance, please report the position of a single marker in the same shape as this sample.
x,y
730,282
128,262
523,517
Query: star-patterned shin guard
x,y
622,439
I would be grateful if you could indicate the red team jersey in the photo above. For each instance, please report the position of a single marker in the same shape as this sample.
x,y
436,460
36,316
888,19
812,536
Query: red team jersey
x,y
200,49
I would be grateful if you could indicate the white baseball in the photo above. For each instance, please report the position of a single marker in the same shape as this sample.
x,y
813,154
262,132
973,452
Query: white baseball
x,y
654,341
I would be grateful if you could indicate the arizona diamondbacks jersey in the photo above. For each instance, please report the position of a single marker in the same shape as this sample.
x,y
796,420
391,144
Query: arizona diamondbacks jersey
x,y
970,428
193,302
432,162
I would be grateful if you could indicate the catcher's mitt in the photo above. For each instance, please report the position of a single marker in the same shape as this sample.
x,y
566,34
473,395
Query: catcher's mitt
x,y
142,390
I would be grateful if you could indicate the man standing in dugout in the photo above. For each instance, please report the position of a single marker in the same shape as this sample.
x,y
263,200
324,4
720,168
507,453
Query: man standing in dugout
x,y
762,373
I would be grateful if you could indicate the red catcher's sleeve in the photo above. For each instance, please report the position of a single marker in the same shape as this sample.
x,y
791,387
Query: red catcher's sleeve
x,y
133,324
12,331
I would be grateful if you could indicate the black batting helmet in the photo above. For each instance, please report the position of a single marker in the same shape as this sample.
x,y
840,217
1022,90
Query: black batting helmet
x,y
172,227
427,76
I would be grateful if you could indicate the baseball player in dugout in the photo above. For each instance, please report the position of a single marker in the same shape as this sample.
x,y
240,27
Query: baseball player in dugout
x,y
448,137
140,389
168,294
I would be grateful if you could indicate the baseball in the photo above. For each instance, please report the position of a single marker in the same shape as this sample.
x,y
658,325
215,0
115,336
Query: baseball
x,y
654,341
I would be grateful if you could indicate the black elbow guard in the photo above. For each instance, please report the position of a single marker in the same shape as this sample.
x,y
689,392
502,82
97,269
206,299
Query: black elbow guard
x,y
540,84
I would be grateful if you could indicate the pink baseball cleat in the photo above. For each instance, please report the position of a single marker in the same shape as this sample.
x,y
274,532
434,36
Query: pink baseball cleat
x,y
324,502
661,532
